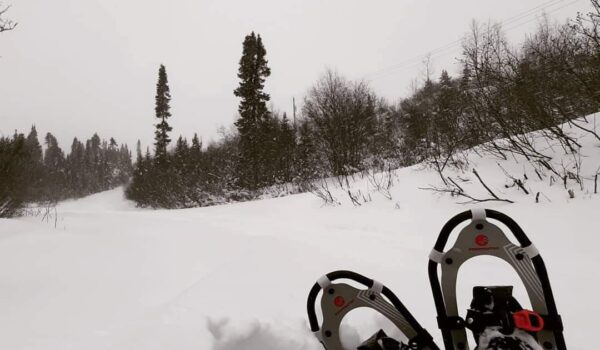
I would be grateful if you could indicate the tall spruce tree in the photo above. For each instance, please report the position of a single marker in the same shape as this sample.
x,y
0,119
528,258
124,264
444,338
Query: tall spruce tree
x,y
34,145
196,145
54,163
253,109
76,179
287,143
138,151
162,107
35,167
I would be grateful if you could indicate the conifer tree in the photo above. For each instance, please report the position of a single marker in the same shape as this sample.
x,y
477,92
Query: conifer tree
x,y
253,109
181,151
12,184
197,163
306,154
33,164
138,151
162,112
34,146
287,143
196,146
76,175
54,163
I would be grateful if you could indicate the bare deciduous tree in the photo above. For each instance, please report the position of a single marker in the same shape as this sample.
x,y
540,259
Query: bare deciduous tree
x,y
6,24
344,116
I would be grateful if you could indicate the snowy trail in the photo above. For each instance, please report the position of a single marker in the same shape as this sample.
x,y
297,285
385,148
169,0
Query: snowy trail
x,y
111,276
121,279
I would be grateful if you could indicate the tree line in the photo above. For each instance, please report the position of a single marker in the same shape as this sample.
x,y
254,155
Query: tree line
x,y
30,174
343,130
503,93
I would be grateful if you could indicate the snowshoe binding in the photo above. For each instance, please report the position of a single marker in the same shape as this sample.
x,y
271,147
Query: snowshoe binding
x,y
495,318
498,321
339,299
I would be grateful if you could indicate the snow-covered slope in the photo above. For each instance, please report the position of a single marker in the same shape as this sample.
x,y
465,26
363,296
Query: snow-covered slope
x,y
106,275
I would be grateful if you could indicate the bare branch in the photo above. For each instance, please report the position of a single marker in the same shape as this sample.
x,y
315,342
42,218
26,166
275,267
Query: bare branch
x,y
455,184
485,186
6,24
463,194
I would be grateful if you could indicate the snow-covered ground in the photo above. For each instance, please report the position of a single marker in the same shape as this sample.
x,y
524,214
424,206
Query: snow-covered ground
x,y
110,276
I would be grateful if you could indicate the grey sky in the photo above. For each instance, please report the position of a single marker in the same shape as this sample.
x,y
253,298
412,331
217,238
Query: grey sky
x,y
74,67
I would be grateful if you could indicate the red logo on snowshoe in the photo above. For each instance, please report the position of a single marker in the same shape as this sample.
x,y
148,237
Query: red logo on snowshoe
x,y
339,301
481,240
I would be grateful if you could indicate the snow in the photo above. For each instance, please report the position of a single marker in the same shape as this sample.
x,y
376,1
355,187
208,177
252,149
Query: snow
x,y
528,342
106,275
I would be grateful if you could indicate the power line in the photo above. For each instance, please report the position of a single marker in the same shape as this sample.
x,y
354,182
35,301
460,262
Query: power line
x,y
549,12
409,63
457,42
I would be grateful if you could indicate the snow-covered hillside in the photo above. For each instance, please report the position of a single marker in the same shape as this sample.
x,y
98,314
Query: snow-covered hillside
x,y
110,276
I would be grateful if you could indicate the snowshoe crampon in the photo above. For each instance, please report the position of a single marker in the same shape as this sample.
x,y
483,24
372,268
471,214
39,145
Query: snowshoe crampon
x,y
339,299
493,308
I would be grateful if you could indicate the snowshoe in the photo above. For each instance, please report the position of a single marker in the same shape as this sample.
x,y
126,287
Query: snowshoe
x,y
339,299
496,319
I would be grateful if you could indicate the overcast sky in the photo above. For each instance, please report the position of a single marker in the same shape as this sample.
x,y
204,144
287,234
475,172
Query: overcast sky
x,y
74,67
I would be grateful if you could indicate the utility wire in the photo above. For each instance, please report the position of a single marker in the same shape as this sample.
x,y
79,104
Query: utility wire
x,y
454,45
457,42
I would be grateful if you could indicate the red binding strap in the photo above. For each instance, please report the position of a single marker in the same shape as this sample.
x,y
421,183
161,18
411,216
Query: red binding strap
x,y
529,321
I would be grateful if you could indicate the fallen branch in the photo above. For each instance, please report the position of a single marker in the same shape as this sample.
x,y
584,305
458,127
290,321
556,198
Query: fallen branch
x,y
455,184
488,189
463,194
520,184
516,181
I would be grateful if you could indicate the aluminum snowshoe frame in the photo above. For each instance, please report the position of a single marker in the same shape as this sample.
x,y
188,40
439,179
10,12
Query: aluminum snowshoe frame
x,y
339,299
479,238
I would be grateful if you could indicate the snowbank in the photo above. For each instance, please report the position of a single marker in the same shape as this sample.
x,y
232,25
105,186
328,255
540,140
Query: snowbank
x,y
111,276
